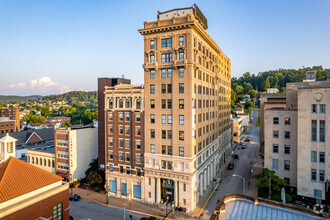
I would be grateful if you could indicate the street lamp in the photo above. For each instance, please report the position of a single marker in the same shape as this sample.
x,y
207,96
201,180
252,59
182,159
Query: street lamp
x,y
243,181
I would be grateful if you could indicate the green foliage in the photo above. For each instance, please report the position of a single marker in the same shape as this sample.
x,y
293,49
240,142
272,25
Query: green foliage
x,y
75,97
94,179
288,198
276,184
64,125
18,99
45,111
32,119
275,78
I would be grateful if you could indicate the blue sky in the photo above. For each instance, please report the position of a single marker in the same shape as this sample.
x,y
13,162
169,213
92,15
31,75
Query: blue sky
x,y
55,46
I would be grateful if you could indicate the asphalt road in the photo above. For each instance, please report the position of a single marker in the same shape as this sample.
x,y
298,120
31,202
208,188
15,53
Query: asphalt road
x,y
243,167
85,210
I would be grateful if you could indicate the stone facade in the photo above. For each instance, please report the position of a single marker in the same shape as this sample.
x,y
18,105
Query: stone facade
x,y
296,137
187,91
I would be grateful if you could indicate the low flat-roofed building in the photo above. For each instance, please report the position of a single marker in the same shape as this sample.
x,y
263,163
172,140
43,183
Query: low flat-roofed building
x,y
7,125
238,206
28,192
43,157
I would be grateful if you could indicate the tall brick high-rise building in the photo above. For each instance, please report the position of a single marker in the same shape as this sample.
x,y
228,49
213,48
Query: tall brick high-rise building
x,y
102,83
13,114
187,107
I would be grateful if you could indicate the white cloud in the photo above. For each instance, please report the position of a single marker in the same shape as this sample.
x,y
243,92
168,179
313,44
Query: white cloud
x,y
42,86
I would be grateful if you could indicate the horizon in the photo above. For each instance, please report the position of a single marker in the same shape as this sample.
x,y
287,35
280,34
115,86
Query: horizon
x,y
56,47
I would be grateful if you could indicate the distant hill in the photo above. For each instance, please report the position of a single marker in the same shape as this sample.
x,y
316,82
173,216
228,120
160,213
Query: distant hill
x,y
11,98
74,97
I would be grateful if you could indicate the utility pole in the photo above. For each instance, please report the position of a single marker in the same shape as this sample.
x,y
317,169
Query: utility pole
x,y
124,212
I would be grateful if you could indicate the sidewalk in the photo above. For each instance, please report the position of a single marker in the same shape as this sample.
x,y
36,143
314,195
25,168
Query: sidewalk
x,y
156,210
257,168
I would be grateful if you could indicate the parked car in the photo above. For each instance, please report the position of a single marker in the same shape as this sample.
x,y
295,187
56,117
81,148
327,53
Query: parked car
x,y
235,156
230,166
247,140
74,197
243,146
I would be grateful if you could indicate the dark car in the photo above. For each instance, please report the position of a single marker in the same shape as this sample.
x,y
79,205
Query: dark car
x,y
235,156
243,146
74,197
230,166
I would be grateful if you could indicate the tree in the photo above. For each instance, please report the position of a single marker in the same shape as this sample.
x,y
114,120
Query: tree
x,y
239,89
45,111
247,87
94,179
268,176
266,85
64,125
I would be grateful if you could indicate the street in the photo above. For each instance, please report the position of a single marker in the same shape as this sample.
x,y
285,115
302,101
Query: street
x,y
83,210
243,167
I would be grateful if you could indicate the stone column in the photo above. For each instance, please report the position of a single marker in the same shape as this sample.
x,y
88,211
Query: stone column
x,y
176,189
158,197
200,186
204,179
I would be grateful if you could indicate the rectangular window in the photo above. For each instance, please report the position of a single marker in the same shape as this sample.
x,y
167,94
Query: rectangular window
x,y
152,119
111,142
287,121
110,155
275,134
138,130
152,58
152,44
275,148
152,103
163,119
137,188
322,108
163,164
163,88
169,165
275,120
181,55
152,148
169,103
152,133
181,43
121,143
121,116
152,74
318,193
169,88
163,134
110,129
152,89
313,174
181,103
138,144
163,73
58,212
164,149
181,72
121,130
287,149
110,116
286,164
169,119
127,118
113,186
181,151
313,156
314,108
127,144
322,131
128,156
287,134
163,103
321,175
181,135
322,157
169,72
166,57
169,150
124,189
181,87
121,156
181,119
167,42
169,134
275,164
314,130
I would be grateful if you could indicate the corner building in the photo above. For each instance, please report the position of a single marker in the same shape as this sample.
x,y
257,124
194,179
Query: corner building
x,y
187,108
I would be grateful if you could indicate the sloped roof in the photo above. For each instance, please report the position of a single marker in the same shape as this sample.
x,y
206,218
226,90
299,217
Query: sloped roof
x,y
18,178
23,136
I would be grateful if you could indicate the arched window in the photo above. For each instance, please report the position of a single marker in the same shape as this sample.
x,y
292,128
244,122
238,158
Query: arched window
x,y
37,160
127,103
41,161
111,103
121,103
45,162
48,162
138,104
53,163
32,160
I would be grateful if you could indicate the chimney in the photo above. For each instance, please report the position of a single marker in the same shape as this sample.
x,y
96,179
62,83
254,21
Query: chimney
x,y
310,76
